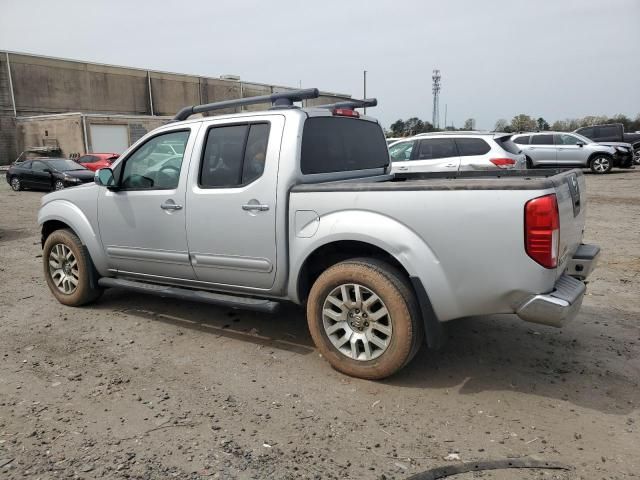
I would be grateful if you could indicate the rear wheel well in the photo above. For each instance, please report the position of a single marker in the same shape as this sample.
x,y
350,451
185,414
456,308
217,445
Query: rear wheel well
x,y
336,252
51,226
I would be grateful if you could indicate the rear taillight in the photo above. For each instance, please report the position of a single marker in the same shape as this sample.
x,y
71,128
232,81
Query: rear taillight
x,y
542,230
345,112
503,162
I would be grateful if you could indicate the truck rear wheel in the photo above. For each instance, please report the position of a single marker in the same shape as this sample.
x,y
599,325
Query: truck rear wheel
x,y
68,269
364,318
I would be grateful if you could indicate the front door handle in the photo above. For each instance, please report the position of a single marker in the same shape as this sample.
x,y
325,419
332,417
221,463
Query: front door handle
x,y
403,168
255,206
170,206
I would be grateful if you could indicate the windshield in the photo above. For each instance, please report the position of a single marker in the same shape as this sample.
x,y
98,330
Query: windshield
x,y
63,165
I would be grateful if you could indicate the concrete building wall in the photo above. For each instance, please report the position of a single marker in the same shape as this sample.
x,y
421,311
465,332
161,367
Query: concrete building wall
x,y
7,122
68,132
44,85
64,132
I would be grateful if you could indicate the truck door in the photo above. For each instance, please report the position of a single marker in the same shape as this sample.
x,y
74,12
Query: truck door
x,y
231,215
142,224
435,155
542,150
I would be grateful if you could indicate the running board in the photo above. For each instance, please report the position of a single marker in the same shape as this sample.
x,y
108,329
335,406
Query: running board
x,y
230,301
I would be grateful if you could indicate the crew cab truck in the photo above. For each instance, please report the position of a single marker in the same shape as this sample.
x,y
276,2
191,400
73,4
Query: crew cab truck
x,y
297,204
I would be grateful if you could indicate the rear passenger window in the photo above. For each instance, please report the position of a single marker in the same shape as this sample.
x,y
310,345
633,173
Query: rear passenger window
x,y
472,146
542,140
435,148
522,140
234,155
587,132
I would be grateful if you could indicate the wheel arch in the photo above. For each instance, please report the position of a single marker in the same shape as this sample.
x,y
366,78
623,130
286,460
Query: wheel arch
x,y
60,214
599,154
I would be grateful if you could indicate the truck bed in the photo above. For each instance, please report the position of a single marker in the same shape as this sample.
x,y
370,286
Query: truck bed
x,y
542,179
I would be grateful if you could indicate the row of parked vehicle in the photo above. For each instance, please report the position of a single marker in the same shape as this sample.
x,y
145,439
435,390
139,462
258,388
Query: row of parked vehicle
x,y
55,173
467,151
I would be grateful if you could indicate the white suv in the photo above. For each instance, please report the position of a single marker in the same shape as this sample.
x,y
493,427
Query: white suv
x,y
456,151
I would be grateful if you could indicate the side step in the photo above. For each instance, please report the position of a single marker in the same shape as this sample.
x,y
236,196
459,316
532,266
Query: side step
x,y
231,301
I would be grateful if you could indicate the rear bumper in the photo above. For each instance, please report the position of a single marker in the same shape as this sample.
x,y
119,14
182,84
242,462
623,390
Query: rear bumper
x,y
563,303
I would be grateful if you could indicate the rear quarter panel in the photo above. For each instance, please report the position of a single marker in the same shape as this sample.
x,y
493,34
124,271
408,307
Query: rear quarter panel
x,y
467,246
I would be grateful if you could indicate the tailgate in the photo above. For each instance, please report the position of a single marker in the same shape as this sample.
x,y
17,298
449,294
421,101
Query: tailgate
x,y
571,195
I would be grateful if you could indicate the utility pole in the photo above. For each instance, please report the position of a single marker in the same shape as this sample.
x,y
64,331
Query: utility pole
x,y
445,116
436,98
364,79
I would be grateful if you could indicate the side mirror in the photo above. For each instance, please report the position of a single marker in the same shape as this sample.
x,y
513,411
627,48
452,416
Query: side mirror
x,y
47,170
104,178
580,144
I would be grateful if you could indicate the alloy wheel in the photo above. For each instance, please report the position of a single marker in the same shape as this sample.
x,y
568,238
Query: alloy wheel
x,y
601,164
63,268
15,184
357,322
59,185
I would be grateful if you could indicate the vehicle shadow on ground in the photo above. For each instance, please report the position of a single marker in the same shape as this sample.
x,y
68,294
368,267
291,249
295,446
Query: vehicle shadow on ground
x,y
499,353
502,353
285,330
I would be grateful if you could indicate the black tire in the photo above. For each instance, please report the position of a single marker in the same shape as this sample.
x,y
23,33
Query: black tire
x,y
396,295
601,164
82,292
16,184
57,185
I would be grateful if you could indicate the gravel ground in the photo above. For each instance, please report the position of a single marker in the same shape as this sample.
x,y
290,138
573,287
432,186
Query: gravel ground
x,y
142,387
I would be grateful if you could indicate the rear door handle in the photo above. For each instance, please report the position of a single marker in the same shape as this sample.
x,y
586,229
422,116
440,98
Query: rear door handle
x,y
255,206
170,206
403,169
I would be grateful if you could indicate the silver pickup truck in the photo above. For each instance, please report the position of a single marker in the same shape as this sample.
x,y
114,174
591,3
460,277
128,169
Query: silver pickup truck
x,y
297,204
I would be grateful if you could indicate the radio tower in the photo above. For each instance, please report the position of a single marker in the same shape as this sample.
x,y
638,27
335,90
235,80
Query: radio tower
x,y
435,121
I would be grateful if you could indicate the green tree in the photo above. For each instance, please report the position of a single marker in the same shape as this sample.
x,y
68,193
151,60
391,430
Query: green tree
x,y
501,125
523,123
469,124
397,128
413,126
542,124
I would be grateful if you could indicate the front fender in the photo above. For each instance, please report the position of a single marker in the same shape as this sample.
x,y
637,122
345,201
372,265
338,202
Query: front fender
x,y
386,233
69,214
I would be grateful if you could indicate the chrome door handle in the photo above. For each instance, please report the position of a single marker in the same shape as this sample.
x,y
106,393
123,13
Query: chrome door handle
x,y
255,206
170,206
403,169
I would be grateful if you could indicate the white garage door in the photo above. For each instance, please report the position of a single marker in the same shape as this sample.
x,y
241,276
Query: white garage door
x,y
109,138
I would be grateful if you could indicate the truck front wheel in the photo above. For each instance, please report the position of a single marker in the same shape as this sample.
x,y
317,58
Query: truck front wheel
x,y
68,269
364,318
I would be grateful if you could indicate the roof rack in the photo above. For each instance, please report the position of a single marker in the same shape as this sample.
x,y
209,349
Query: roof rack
x,y
351,104
282,99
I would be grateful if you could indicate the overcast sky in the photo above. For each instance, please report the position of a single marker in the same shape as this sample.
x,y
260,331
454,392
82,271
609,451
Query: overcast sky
x,y
549,58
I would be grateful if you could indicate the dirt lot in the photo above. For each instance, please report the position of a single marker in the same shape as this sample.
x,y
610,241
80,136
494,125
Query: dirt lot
x,y
142,387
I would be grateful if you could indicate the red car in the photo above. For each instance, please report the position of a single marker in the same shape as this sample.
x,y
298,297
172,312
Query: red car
x,y
96,161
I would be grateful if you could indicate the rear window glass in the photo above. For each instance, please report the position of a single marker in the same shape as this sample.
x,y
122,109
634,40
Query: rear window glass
x,y
542,140
333,144
610,131
435,148
587,132
508,145
522,140
472,146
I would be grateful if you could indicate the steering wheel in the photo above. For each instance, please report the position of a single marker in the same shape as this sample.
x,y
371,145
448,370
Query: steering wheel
x,y
170,167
